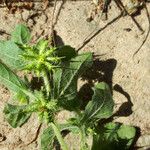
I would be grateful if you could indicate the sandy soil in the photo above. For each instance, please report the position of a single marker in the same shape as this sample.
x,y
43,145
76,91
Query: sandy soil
x,y
114,41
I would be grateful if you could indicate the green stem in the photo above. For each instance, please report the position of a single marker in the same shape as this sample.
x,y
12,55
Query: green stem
x,y
83,139
59,137
46,82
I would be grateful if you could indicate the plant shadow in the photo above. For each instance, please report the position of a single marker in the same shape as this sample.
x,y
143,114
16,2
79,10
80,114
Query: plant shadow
x,y
57,40
138,134
126,108
36,83
102,71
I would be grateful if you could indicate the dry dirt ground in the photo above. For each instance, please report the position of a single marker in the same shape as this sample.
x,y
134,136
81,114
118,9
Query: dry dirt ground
x,y
114,41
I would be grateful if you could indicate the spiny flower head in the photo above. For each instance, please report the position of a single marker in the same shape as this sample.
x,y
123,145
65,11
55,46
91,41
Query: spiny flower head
x,y
40,57
45,108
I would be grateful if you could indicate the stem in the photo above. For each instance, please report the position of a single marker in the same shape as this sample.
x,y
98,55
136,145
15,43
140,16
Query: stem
x,y
46,83
83,139
59,137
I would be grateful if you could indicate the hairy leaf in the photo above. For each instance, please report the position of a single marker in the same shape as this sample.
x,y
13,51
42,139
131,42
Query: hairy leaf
x,y
101,105
67,52
65,80
13,82
21,34
114,136
15,115
42,45
47,139
9,54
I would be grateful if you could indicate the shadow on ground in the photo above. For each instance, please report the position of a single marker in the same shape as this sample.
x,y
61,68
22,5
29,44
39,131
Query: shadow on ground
x,y
102,71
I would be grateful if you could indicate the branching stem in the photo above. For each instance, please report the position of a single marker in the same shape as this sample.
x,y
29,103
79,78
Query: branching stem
x,y
59,137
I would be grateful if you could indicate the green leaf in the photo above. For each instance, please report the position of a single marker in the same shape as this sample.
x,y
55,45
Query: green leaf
x,y
47,139
21,34
101,105
10,80
67,52
48,136
114,136
15,115
65,80
9,54
42,45
126,132
72,128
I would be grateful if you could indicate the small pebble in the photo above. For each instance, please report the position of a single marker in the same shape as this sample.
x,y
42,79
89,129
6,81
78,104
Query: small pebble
x,y
127,29
25,15
30,23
